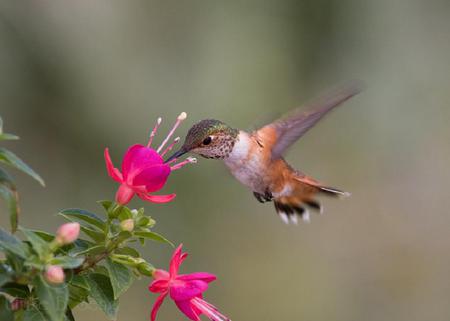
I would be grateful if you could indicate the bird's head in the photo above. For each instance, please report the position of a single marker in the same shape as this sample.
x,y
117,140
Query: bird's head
x,y
209,138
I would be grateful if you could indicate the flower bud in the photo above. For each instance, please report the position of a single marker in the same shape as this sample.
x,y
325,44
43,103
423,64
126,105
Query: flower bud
x,y
18,304
146,269
54,274
67,233
127,225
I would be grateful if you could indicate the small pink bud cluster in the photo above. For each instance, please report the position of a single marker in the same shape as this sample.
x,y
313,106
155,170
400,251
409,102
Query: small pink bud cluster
x,y
54,274
67,233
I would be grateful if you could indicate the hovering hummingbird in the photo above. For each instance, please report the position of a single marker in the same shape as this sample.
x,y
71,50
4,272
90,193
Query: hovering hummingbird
x,y
255,159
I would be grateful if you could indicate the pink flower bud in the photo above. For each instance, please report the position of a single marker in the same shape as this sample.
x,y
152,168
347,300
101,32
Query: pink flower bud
x,y
127,225
18,304
67,233
54,274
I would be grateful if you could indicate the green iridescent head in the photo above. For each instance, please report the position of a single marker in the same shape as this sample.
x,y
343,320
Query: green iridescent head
x,y
209,138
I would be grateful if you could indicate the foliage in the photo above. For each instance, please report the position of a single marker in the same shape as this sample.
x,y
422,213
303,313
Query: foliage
x,y
8,189
98,268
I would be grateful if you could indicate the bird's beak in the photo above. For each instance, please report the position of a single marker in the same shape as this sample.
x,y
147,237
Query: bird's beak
x,y
177,154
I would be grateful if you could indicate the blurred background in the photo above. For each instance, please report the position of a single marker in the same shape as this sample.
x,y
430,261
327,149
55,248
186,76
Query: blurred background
x,y
77,76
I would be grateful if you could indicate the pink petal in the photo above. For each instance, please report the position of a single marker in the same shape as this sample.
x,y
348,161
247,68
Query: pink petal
x,y
186,307
112,171
176,260
207,277
157,305
157,198
124,194
153,177
138,157
158,286
184,290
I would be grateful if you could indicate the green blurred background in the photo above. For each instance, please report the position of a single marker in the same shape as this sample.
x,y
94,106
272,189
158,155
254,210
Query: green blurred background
x,y
77,76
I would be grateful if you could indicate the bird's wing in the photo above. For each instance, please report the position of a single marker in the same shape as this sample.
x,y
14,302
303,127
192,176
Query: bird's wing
x,y
283,132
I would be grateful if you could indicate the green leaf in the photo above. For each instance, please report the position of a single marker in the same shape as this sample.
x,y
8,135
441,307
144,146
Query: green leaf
x,y
5,274
11,198
12,244
127,251
107,205
102,292
80,281
145,221
5,136
37,243
121,278
98,249
93,234
122,236
153,236
79,290
6,313
124,213
11,159
47,237
34,314
16,290
83,216
77,295
53,298
67,262
7,179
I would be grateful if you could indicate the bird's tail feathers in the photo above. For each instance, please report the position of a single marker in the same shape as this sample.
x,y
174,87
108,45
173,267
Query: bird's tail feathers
x,y
290,209
331,191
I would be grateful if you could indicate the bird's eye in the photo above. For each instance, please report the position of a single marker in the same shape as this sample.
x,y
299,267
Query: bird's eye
x,y
207,140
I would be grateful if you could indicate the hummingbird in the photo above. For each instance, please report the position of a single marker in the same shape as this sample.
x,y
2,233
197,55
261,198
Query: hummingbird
x,y
256,158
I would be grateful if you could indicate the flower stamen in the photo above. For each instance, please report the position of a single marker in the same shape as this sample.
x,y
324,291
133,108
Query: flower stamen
x,y
189,160
153,133
209,310
169,148
180,119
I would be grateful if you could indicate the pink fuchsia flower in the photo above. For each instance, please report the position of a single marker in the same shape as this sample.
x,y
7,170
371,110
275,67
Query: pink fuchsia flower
x,y
144,170
186,290
67,233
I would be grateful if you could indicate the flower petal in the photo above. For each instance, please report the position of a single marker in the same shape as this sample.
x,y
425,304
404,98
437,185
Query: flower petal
x,y
138,157
113,172
157,198
153,177
158,286
124,194
189,310
157,305
176,260
204,276
184,290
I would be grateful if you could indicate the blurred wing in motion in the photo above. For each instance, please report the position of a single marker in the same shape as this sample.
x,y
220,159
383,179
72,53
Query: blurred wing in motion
x,y
289,129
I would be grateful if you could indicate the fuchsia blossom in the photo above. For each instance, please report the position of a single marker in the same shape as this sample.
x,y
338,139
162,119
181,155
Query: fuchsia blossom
x,y
185,289
144,170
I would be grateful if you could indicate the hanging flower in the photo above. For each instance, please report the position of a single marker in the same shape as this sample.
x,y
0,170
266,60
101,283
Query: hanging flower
x,y
144,170
186,290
